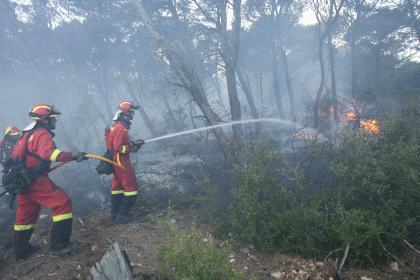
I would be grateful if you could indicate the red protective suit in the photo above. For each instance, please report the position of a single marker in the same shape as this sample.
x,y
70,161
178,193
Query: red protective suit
x,y
124,183
42,192
118,141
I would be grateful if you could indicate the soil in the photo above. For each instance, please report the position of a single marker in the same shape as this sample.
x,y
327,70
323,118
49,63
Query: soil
x,y
96,232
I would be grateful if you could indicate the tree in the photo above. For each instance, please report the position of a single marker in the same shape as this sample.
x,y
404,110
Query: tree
x,y
173,52
326,14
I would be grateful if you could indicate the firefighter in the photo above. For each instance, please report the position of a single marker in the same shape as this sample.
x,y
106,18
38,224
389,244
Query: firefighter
x,y
39,149
11,136
124,183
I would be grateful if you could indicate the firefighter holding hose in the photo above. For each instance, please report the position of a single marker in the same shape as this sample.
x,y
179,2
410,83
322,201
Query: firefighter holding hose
x,y
124,183
37,150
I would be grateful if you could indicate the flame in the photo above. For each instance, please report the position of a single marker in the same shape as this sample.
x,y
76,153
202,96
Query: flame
x,y
370,126
351,116
303,135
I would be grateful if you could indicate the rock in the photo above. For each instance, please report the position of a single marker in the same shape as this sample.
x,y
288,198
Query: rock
x,y
320,264
277,274
244,250
302,272
365,278
311,265
232,261
394,266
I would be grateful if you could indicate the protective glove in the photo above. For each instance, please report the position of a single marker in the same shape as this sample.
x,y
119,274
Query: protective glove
x,y
136,145
78,156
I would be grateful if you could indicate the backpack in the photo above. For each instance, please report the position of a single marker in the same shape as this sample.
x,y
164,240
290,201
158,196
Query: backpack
x,y
105,167
16,177
7,146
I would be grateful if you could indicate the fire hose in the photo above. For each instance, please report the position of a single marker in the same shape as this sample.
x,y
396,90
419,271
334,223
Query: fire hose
x,y
92,156
89,156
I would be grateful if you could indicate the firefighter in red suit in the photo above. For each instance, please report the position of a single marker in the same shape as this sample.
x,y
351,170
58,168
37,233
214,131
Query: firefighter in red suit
x,y
124,183
40,150
11,136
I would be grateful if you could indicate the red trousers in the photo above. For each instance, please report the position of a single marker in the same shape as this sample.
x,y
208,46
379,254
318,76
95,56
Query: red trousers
x,y
51,196
124,181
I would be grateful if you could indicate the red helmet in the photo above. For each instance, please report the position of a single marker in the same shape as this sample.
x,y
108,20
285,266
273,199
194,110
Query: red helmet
x,y
126,106
42,111
12,131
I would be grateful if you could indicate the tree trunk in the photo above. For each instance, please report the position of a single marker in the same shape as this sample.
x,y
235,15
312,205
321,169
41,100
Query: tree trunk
x,y
276,84
229,53
288,81
145,117
173,120
321,85
261,89
141,110
333,81
248,94
192,116
103,93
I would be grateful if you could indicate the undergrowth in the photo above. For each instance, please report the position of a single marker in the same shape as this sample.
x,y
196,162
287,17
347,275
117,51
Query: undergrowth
x,y
186,255
370,204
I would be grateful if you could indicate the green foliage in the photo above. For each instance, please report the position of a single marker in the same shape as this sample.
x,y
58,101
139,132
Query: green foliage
x,y
372,203
266,213
186,256
377,195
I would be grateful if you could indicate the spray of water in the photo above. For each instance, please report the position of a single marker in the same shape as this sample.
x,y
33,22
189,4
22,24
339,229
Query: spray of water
x,y
281,122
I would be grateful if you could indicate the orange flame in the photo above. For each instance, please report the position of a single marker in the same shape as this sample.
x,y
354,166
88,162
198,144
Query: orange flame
x,y
370,126
351,116
303,135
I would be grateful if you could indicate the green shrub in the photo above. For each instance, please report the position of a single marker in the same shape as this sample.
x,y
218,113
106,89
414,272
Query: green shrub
x,y
186,256
369,201
378,180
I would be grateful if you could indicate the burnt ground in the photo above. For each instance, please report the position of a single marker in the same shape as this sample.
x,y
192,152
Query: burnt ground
x,y
95,231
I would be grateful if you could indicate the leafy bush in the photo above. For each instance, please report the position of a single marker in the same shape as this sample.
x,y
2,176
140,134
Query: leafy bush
x,y
378,180
369,201
186,256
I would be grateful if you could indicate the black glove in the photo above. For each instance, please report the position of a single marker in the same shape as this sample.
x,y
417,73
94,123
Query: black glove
x,y
78,156
136,145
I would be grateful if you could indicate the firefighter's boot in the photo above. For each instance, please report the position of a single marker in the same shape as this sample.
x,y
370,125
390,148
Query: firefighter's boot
x,y
22,249
116,201
123,215
60,237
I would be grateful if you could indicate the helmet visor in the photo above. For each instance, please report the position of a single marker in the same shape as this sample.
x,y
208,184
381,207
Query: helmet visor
x,y
54,112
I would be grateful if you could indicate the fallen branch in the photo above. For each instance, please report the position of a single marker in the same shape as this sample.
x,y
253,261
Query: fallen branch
x,y
411,246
